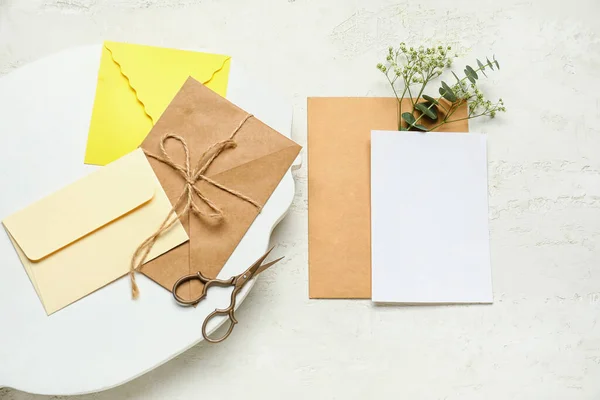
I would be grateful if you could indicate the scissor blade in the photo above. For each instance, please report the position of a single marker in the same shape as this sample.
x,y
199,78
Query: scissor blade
x,y
256,265
267,265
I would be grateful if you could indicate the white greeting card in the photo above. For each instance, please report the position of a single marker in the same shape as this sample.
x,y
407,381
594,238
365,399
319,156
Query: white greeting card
x,y
429,218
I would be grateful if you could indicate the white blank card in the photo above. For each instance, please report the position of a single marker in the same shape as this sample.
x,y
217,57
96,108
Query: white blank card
x,y
429,218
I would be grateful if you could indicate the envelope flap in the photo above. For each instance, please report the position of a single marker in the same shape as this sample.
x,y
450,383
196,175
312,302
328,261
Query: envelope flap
x,y
82,207
204,118
155,74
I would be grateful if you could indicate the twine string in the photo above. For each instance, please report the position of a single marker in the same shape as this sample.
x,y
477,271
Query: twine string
x,y
185,202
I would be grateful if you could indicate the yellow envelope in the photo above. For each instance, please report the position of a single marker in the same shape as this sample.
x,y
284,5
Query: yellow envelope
x,y
83,236
135,85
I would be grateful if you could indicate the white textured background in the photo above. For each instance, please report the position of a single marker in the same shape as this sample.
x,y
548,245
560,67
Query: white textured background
x,y
541,338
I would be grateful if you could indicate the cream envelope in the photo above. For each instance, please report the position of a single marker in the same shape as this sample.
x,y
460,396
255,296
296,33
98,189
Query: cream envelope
x,y
83,236
135,85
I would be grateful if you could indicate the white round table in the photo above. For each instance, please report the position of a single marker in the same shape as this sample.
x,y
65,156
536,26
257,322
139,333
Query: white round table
x,y
105,339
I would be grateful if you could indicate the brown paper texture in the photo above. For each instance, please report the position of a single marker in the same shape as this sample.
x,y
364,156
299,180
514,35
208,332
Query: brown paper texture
x,y
339,218
254,168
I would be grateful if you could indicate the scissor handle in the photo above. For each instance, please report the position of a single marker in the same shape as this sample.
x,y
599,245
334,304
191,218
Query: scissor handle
x,y
229,312
207,284
225,312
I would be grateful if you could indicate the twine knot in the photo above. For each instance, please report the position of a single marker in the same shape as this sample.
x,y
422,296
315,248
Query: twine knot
x,y
191,177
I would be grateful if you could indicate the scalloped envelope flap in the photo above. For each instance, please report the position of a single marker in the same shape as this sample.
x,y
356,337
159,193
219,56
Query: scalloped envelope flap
x,y
135,85
156,73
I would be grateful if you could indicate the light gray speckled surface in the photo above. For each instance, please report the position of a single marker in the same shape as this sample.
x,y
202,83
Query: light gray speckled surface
x,y
540,340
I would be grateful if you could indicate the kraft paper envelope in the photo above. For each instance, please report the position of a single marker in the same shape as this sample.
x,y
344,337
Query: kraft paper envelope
x,y
135,85
83,236
339,230
253,168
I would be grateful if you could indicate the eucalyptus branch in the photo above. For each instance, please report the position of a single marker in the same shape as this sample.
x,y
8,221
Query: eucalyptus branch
x,y
421,66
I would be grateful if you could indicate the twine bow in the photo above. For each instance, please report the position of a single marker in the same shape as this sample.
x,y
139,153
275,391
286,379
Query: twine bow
x,y
190,190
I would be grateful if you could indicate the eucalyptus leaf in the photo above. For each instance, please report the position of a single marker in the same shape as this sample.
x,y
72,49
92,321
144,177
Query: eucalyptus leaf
x,y
457,79
489,63
447,93
408,117
482,68
472,72
403,128
497,65
428,109
420,127
470,76
430,99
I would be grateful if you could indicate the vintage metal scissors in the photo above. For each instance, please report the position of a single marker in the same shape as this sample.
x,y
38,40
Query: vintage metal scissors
x,y
238,282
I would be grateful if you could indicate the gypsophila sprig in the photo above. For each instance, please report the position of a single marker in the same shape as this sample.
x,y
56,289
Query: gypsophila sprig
x,y
409,70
